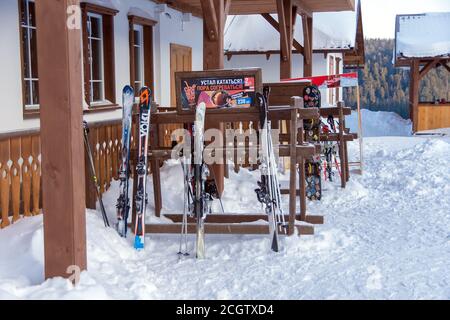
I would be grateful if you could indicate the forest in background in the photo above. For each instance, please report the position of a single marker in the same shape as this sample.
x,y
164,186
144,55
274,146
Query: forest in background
x,y
386,88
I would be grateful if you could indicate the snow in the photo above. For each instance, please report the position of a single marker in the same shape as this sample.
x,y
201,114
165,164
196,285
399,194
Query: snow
x,y
331,30
386,236
379,123
423,35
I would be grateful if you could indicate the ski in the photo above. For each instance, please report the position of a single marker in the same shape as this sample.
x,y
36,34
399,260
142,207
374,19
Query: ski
x,y
123,202
268,192
140,199
93,174
200,174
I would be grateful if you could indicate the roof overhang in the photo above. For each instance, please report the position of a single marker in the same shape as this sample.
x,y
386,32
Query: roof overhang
x,y
245,7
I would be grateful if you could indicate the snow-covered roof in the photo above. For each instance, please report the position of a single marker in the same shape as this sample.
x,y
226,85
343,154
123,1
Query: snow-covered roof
x,y
331,30
423,35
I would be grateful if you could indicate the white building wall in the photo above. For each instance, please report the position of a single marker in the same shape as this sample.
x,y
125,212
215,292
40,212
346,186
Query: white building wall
x,y
11,115
167,30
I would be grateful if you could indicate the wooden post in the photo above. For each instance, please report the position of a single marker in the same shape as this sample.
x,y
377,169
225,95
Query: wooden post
x,y
284,8
293,166
59,63
414,93
213,58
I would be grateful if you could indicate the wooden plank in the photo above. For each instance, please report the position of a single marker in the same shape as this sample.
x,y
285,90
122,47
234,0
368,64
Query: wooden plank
x,y
15,155
334,111
222,228
90,188
108,142
101,173
26,175
241,218
281,92
4,182
60,96
36,174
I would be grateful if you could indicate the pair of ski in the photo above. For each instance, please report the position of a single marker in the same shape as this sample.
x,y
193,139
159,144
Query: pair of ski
x,y
195,193
140,199
269,193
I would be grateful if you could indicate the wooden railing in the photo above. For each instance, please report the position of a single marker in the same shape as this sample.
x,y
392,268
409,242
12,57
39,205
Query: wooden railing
x,y
20,168
20,175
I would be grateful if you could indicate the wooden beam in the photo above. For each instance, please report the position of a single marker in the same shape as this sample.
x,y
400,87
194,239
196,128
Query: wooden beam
x,y
227,7
213,58
221,228
60,93
430,65
307,44
210,19
183,7
302,8
276,26
240,218
284,8
414,93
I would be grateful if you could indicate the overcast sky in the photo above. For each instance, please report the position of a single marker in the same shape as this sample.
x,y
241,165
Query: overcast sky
x,y
379,15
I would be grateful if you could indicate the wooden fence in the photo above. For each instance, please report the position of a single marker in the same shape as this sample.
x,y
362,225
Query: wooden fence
x,y
20,175
433,116
20,168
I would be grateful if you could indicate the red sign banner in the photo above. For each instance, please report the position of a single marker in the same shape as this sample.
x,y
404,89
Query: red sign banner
x,y
331,81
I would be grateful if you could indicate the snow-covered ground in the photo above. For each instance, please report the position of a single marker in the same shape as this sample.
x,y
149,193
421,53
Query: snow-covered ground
x,y
386,236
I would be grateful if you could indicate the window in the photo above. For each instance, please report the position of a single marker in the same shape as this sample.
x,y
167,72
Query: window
x,y
138,52
29,56
95,53
141,52
98,53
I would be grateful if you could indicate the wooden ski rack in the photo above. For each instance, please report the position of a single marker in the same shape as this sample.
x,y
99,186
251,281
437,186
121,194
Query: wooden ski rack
x,y
229,223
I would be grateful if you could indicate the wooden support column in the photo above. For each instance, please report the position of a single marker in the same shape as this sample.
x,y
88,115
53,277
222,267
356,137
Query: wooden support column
x,y
284,9
213,58
63,181
414,93
307,23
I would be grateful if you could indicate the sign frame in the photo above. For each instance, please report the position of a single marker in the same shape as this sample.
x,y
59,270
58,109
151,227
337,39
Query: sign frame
x,y
181,76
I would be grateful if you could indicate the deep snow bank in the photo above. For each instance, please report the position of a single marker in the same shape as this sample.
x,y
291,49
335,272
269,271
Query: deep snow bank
x,y
379,123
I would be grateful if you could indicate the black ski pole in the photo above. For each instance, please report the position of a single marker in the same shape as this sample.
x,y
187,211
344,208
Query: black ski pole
x,y
94,176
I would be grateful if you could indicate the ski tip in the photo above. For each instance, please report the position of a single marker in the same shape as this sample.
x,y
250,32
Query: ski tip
x,y
128,89
138,243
